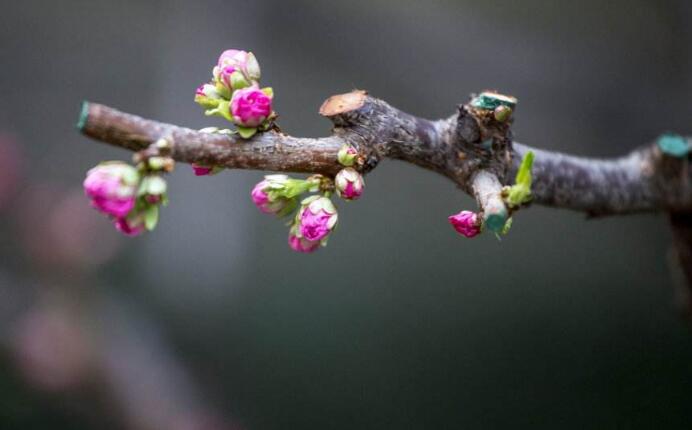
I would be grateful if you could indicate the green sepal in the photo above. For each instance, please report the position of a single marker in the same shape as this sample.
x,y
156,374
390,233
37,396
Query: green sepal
x,y
238,81
289,208
151,217
290,188
156,163
246,132
508,225
269,91
221,110
222,89
674,145
152,185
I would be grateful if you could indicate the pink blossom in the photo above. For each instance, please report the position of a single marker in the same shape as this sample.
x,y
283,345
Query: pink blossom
x,y
232,57
112,188
466,223
349,184
317,219
300,244
276,202
225,76
259,196
262,201
130,226
243,61
202,170
250,107
207,96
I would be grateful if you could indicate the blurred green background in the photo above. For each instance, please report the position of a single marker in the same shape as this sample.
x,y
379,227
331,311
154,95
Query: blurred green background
x,y
399,322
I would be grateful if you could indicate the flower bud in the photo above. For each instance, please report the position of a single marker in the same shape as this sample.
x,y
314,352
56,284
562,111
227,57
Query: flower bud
x,y
347,155
153,189
250,107
300,244
207,96
272,203
232,79
317,218
112,188
242,61
349,184
202,170
232,57
466,223
132,225
502,113
252,67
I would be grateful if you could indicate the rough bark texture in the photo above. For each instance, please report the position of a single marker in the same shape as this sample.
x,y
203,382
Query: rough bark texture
x,y
458,147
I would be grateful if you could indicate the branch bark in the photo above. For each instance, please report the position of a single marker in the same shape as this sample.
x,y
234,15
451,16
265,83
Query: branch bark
x,y
458,147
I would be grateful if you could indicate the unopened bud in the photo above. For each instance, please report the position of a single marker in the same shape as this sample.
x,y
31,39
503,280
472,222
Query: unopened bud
x,y
349,184
347,155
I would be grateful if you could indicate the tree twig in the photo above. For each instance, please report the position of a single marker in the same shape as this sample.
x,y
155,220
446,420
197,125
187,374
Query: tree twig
x,y
458,147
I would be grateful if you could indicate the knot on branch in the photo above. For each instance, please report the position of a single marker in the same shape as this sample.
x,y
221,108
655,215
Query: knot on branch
x,y
483,137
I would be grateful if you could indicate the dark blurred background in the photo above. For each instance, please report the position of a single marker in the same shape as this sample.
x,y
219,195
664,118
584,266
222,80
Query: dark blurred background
x,y
212,322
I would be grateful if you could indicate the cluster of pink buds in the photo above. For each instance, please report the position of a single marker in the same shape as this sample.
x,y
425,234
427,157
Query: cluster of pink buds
x,y
130,196
316,216
235,94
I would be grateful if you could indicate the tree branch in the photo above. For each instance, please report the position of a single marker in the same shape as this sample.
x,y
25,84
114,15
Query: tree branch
x,y
458,147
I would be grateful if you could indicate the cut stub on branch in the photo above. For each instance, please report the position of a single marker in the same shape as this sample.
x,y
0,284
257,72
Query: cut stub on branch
x,y
341,103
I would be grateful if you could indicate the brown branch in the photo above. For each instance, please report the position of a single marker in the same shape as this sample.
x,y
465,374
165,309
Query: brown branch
x,y
457,147
473,148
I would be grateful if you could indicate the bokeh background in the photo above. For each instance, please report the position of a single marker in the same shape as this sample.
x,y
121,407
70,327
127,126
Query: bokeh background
x,y
212,322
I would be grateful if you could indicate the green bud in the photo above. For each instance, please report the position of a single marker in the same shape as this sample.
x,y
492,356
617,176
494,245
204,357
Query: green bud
x,y
156,163
502,113
347,155
520,192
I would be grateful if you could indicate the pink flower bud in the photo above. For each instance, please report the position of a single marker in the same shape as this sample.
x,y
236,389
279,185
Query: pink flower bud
x,y
317,218
300,244
347,155
202,170
263,201
243,61
232,57
466,223
349,184
207,96
250,107
112,188
232,79
130,226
